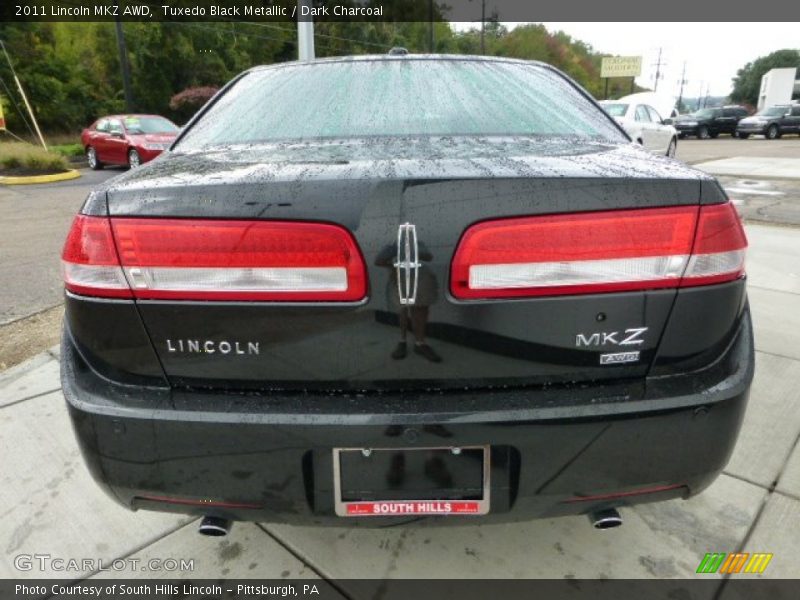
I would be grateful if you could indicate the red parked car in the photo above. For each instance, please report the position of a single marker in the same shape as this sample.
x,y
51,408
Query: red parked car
x,y
127,139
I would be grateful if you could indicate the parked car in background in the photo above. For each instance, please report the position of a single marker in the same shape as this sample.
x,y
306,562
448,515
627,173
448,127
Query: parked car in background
x,y
127,139
413,286
772,122
710,122
644,125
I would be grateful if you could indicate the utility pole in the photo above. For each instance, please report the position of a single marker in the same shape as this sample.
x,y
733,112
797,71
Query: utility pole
x,y
683,82
430,29
305,33
24,97
483,27
658,70
124,65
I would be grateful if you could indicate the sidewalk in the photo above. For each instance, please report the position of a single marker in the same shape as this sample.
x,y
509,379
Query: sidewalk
x,y
50,505
753,166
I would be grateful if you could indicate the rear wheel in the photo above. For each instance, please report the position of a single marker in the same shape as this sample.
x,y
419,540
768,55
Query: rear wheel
x,y
772,132
673,146
134,160
91,158
702,133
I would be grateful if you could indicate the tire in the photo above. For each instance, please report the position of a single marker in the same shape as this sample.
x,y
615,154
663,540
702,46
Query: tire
x,y
714,135
91,158
672,148
702,133
134,160
742,135
772,132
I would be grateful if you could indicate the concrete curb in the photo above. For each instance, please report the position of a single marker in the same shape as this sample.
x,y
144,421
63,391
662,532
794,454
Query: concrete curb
x,y
66,175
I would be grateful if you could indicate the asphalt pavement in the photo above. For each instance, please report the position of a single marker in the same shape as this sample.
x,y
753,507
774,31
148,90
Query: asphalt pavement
x,y
35,221
694,151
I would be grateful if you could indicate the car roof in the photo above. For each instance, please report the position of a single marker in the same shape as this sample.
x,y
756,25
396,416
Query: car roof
x,y
130,115
405,57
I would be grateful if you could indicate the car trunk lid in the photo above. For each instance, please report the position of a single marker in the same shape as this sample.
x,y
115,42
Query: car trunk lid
x,y
375,189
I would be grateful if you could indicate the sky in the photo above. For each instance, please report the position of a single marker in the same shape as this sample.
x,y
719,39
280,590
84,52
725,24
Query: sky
x,y
713,52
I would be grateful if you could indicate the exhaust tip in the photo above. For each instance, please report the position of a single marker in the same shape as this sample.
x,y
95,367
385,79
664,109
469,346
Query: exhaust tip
x,y
605,519
214,526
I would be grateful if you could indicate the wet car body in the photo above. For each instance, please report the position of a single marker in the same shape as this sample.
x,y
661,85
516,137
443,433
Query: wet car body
x,y
286,411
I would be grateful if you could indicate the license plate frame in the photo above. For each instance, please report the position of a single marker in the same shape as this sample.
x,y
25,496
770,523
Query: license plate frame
x,y
413,508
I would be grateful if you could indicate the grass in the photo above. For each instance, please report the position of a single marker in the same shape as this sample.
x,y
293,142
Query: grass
x,y
61,139
19,158
67,150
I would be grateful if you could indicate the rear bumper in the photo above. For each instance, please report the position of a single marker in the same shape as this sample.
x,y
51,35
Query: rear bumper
x,y
269,458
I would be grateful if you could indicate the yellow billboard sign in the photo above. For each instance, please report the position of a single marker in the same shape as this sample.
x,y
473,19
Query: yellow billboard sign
x,y
621,66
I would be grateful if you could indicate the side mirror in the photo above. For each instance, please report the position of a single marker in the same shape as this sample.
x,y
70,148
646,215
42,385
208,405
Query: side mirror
x,y
117,134
667,121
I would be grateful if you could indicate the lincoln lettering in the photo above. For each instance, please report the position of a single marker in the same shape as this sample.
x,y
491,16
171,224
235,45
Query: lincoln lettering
x,y
180,346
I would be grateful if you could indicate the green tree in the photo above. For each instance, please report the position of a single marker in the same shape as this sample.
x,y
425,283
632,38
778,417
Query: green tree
x,y
747,83
71,71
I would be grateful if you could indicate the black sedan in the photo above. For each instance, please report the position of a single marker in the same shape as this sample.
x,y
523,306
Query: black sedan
x,y
365,290
710,122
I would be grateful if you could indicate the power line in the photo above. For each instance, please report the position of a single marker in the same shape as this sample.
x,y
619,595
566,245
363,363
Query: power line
x,y
22,93
14,135
277,39
14,102
323,35
245,34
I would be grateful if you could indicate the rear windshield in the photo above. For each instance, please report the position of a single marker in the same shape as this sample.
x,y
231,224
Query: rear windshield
x,y
774,111
149,125
705,113
353,99
615,110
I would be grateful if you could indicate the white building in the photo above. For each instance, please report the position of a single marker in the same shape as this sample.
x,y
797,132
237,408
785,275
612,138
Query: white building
x,y
777,87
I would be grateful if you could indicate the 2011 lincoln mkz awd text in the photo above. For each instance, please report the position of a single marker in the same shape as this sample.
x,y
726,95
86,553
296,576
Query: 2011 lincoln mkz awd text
x,y
366,290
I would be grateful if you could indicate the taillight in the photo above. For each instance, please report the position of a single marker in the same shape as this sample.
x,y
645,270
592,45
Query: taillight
x,y
194,259
608,251
89,261
719,247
